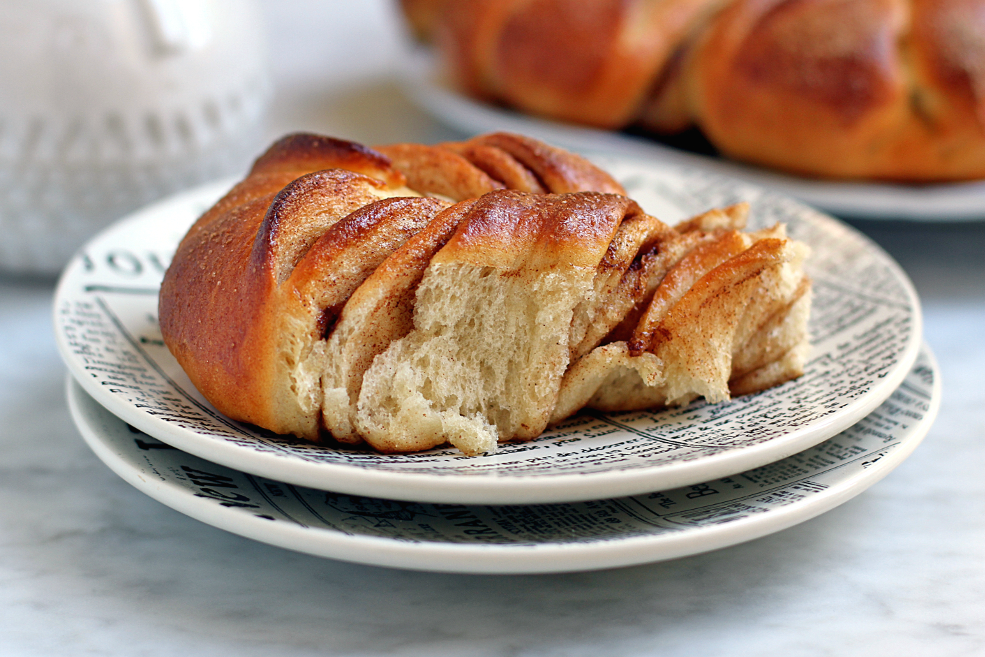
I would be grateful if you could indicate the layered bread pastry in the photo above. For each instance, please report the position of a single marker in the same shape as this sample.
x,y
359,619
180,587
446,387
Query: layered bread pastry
x,y
851,89
409,296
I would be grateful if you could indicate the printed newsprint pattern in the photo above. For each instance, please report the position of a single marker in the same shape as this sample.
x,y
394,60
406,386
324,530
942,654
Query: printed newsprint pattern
x,y
751,503
865,332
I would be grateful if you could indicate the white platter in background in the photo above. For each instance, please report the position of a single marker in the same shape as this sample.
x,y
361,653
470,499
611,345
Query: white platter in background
x,y
865,333
961,201
586,535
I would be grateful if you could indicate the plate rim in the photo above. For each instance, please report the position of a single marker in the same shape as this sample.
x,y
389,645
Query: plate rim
x,y
452,489
524,558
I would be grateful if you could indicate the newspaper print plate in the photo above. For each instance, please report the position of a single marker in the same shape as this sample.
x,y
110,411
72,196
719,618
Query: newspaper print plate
x,y
587,535
865,332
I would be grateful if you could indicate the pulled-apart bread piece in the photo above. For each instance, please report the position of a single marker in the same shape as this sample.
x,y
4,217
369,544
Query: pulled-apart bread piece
x,y
492,323
467,293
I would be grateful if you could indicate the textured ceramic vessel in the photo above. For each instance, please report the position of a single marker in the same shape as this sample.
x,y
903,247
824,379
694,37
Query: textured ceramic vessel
x,y
106,105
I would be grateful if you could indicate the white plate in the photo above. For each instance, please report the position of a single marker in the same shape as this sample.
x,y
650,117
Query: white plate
x,y
963,201
522,539
866,329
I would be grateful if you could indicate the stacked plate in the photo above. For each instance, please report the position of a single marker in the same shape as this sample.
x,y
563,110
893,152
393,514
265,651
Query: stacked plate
x,y
598,491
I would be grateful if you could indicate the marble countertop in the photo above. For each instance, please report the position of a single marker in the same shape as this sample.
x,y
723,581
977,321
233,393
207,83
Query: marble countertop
x,y
91,566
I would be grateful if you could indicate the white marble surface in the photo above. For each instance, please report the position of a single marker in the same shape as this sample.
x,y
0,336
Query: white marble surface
x,y
90,566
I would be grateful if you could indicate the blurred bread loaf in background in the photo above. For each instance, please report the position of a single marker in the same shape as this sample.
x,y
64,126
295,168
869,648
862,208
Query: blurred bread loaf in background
x,y
888,90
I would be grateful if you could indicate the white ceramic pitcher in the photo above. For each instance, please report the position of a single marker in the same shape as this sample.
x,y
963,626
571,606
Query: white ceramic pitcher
x,y
106,105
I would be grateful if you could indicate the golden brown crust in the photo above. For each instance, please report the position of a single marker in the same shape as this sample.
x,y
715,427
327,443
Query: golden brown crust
x,y
513,231
200,287
499,160
822,87
557,170
500,166
440,171
591,62
300,153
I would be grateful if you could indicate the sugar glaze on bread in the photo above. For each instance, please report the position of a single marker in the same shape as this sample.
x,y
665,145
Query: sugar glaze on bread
x,y
470,293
